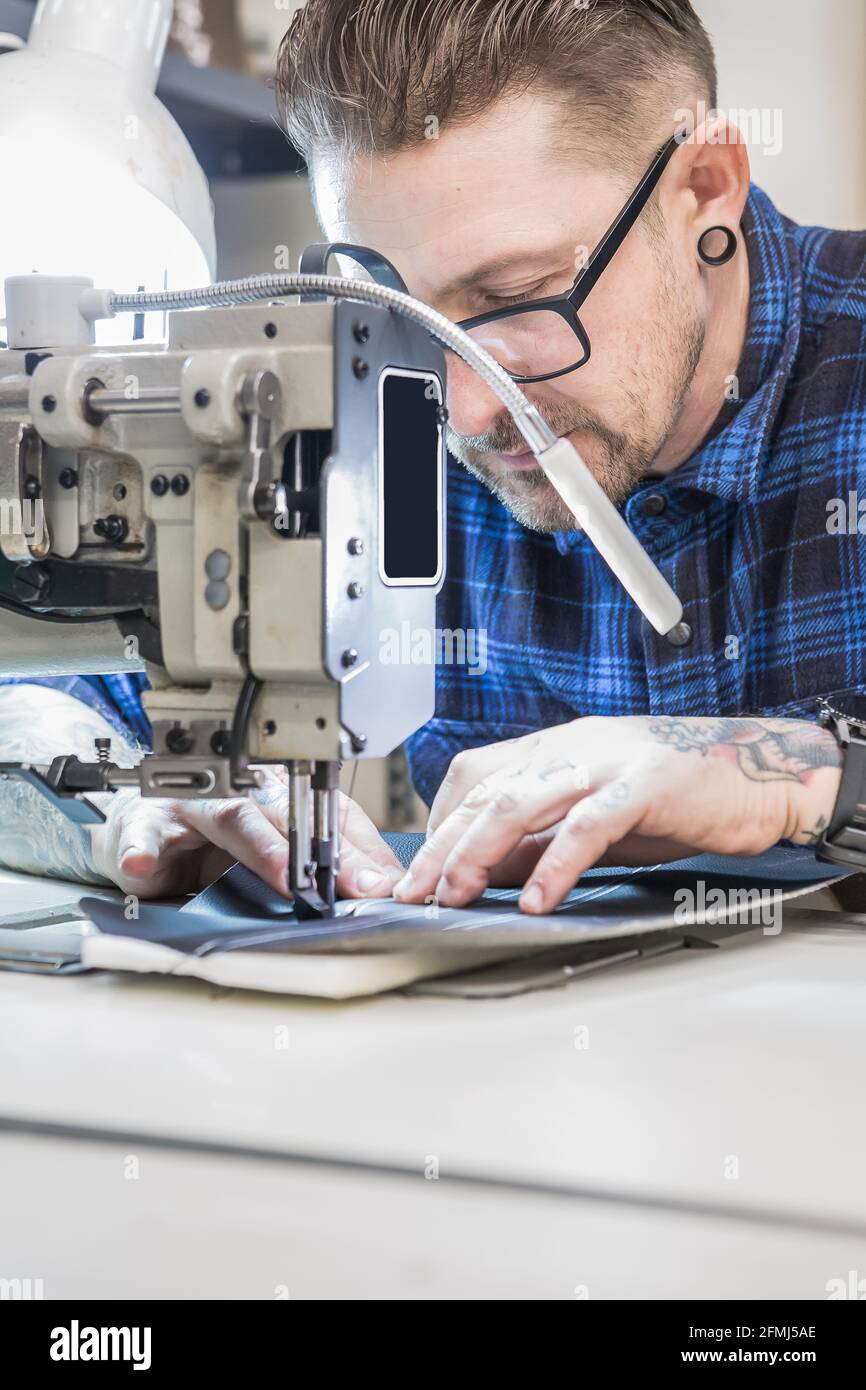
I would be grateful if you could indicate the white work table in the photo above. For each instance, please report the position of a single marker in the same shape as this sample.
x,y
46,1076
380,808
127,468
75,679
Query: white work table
x,y
709,1142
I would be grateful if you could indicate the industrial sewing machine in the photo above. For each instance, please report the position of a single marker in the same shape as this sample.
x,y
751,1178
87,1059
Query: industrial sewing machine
x,y
257,507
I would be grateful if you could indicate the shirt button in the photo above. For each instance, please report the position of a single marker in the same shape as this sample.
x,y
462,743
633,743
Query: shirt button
x,y
655,504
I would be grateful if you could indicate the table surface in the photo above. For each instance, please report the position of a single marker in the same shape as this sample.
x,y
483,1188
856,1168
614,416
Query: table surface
x,y
713,1085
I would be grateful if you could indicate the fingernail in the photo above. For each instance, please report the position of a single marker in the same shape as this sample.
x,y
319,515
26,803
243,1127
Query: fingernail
x,y
142,870
532,898
367,880
405,885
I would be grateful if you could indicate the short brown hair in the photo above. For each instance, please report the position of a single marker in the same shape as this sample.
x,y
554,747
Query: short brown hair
x,y
364,76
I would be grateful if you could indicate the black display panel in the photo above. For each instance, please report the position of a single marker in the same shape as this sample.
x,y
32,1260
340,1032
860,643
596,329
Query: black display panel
x,y
411,477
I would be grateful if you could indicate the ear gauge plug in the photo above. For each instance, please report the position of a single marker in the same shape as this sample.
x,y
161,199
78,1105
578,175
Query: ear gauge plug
x,y
724,256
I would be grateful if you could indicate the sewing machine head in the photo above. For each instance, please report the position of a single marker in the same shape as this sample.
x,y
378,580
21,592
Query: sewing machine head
x,y
255,509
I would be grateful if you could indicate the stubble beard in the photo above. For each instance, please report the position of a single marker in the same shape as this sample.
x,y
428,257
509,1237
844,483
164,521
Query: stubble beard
x,y
619,459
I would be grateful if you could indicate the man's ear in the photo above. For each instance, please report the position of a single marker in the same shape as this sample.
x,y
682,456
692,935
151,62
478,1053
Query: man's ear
x,y
713,171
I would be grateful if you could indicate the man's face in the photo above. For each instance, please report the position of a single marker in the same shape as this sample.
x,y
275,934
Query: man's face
x,y
487,215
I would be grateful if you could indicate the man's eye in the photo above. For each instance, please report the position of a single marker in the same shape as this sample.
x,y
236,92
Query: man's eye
x,y
503,301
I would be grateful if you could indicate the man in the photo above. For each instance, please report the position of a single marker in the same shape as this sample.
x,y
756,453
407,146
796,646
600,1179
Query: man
x,y
484,149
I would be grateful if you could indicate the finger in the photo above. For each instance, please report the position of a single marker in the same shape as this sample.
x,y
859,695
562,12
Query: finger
x,y
470,767
148,845
145,833
272,799
369,868
241,828
516,867
356,830
141,844
363,877
587,832
359,832
495,816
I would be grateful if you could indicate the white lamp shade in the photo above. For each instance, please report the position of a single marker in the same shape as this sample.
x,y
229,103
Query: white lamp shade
x,y
97,178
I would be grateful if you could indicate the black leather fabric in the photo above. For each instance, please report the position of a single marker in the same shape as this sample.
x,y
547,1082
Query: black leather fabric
x,y
240,893
241,912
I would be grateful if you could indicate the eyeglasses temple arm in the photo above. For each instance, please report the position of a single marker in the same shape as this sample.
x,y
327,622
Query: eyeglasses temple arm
x,y
622,224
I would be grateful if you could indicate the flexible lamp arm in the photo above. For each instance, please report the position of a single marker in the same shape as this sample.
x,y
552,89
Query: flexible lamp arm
x,y
560,461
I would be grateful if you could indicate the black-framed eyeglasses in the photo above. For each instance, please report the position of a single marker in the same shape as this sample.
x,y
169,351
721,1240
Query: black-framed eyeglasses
x,y
543,338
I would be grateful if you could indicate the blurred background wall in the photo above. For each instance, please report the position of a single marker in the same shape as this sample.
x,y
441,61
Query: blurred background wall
x,y
806,59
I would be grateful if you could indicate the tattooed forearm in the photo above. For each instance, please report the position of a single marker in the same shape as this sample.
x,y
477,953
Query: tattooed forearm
x,y
36,724
766,750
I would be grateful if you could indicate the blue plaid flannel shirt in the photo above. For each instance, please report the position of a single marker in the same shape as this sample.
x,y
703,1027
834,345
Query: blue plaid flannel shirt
x,y
776,600
742,530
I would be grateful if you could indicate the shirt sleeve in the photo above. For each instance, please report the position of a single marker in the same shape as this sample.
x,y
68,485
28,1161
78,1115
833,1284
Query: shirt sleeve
x,y
116,698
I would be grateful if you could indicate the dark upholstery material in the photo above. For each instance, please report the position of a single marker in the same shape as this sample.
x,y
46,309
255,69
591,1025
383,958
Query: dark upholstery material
x,y
240,912
241,893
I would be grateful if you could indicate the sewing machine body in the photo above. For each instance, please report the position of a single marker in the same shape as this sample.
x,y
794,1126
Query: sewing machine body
x,y
223,502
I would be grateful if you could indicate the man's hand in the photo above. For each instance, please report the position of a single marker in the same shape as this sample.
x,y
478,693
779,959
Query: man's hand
x,y
540,810
157,848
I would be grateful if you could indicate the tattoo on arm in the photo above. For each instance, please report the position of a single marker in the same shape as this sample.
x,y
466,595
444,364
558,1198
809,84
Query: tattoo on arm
x,y
813,834
765,750
36,724
271,794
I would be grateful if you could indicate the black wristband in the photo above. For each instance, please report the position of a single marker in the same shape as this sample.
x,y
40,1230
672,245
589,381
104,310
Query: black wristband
x,y
844,840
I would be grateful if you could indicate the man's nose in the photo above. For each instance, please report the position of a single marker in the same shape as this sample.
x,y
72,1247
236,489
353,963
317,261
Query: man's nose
x,y
473,408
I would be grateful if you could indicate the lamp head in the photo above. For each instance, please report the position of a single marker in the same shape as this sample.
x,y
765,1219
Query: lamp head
x,y
98,180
